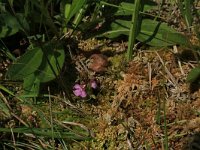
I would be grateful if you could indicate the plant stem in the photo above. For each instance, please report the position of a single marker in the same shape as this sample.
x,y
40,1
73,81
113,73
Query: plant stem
x,y
134,29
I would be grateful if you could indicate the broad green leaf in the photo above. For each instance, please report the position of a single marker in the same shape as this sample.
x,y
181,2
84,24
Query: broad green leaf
x,y
118,27
126,8
67,9
8,25
74,8
46,71
25,65
193,75
31,85
152,32
177,38
160,34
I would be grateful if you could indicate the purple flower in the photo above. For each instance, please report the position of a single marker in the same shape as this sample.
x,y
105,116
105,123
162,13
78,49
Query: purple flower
x,y
79,90
93,84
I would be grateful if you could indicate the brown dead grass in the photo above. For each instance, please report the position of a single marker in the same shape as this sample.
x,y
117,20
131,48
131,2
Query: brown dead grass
x,y
132,115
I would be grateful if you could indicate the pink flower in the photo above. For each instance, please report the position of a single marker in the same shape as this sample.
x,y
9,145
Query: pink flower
x,y
93,84
79,90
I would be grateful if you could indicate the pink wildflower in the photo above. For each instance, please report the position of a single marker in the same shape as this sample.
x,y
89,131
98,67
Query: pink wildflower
x,y
93,84
79,90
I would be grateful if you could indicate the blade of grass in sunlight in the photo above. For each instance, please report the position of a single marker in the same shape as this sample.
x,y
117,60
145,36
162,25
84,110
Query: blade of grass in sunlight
x,y
79,16
135,28
6,90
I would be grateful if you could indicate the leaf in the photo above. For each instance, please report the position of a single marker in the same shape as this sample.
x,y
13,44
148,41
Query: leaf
x,y
177,38
31,85
159,34
193,75
6,90
188,12
118,27
74,8
185,7
126,8
8,25
24,24
152,32
25,65
47,72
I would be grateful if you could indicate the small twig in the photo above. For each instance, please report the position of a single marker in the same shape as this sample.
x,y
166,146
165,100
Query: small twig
x,y
166,77
13,137
167,71
179,62
150,73
130,145
83,65
20,120
64,123
70,52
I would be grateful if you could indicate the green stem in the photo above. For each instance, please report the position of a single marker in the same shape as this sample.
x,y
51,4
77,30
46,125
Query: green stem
x,y
134,29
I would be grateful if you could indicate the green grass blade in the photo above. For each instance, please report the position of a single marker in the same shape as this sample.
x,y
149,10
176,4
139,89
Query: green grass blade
x,y
6,90
188,13
185,9
63,134
79,16
134,29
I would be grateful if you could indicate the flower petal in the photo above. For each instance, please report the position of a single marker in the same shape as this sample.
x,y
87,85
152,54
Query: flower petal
x,y
83,93
77,86
77,92
93,84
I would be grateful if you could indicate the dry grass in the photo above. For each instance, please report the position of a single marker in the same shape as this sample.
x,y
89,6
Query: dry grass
x,y
152,89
